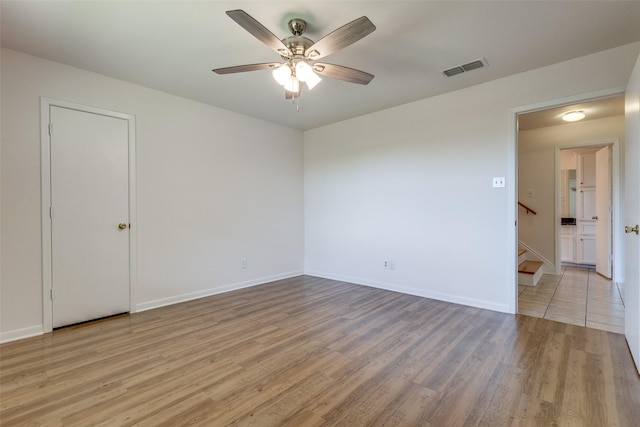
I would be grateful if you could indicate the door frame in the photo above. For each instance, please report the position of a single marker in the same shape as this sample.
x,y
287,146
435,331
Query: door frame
x,y
512,176
616,230
45,177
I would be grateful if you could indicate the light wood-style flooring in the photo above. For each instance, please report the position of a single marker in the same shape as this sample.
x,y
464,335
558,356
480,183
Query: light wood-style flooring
x,y
309,352
579,296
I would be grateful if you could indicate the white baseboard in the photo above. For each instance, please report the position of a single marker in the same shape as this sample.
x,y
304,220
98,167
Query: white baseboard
x,y
456,299
149,305
488,305
32,331
18,334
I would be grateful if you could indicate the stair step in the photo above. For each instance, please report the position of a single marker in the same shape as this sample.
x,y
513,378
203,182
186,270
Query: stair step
x,y
529,267
529,273
521,251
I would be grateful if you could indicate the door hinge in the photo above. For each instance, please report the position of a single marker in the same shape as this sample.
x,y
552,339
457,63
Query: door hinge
x,y
51,294
50,129
610,257
51,212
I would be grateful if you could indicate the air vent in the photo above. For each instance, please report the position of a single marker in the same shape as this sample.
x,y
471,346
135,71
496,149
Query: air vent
x,y
473,65
453,71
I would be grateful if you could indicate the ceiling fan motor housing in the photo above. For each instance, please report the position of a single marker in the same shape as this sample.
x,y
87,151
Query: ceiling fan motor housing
x,y
298,45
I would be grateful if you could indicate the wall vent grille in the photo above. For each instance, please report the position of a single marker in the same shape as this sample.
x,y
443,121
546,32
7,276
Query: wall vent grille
x,y
473,65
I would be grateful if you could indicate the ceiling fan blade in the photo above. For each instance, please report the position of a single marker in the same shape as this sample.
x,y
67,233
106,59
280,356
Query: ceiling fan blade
x,y
259,31
340,72
248,67
341,38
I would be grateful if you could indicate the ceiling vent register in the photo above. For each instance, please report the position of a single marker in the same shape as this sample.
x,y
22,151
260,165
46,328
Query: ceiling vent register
x,y
473,65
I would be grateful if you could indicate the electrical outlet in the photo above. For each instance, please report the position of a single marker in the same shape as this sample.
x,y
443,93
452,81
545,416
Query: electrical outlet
x,y
243,263
389,265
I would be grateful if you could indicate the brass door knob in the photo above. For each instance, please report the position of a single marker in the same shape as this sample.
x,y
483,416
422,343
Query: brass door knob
x,y
628,229
122,226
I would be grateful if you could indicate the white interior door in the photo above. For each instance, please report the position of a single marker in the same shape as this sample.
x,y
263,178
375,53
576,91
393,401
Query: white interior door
x,y
89,199
632,215
603,212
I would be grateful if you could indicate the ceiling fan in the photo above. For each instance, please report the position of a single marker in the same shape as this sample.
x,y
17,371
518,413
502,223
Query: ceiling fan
x,y
300,53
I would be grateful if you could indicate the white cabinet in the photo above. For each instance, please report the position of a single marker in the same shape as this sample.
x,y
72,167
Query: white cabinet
x,y
586,210
586,204
587,249
568,243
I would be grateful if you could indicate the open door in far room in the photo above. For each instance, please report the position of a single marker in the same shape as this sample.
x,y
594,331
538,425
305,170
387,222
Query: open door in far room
x,y
603,212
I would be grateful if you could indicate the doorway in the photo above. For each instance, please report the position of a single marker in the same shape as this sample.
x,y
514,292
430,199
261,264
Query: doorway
x,y
542,139
88,207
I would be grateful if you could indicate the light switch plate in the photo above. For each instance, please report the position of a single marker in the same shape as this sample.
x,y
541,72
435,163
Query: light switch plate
x,y
498,181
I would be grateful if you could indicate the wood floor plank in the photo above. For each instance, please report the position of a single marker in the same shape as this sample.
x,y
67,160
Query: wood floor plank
x,y
308,351
553,364
505,398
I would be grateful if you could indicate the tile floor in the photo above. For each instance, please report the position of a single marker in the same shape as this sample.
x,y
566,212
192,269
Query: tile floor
x,y
578,296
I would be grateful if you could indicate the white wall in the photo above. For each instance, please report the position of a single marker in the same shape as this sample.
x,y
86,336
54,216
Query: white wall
x,y
212,187
413,184
536,171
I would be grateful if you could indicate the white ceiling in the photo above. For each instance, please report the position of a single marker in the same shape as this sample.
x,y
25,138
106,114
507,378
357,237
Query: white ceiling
x,y
173,45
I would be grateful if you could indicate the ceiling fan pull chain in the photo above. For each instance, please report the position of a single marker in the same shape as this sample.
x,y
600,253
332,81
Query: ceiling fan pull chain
x,y
297,104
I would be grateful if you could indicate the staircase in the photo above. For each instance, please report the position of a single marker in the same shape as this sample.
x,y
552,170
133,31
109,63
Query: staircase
x,y
529,272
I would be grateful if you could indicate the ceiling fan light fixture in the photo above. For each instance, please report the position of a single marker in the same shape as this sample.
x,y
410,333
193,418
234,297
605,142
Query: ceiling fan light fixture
x,y
282,74
573,116
303,71
313,80
292,85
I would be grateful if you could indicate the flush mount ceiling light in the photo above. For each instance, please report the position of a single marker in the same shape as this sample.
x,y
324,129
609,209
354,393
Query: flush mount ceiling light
x,y
300,53
573,116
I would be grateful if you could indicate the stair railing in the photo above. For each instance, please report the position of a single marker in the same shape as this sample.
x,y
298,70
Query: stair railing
x,y
527,208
